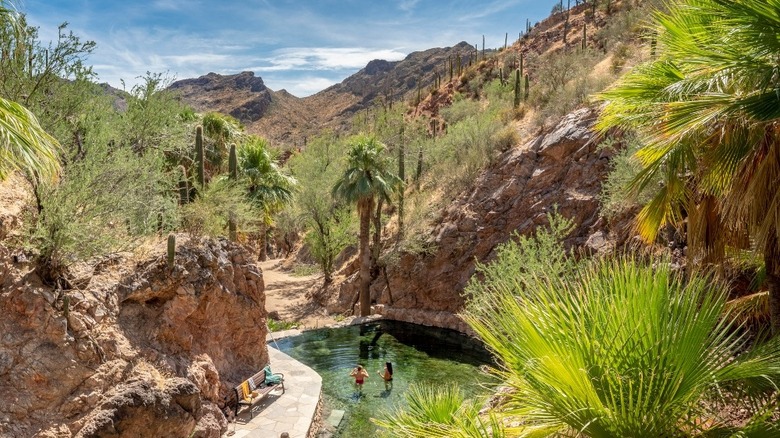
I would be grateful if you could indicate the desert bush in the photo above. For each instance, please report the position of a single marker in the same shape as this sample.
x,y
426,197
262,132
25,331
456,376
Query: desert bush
x,y
461,109
328,225
521,260
616,194
212,209
105,203
328,236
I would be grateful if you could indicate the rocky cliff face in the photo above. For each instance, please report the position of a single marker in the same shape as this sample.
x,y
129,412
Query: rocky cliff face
x,y
561,168
243,96
139,351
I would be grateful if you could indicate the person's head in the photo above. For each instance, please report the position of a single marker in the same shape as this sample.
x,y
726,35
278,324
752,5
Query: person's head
x,y
284,435
389,367
359,367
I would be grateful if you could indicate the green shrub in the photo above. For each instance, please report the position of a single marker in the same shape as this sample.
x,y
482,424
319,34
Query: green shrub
x,y
105,203
328,236
209,214
521,260
616,194
441,412
623,348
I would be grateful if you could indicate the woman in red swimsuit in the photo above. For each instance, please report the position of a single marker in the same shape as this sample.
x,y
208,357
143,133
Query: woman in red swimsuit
x,y
359,373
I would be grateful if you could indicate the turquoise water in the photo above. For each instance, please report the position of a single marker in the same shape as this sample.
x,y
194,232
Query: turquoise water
x,y
418,354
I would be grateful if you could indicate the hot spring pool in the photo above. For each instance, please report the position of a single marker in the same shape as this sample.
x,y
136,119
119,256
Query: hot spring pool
x,y
418,354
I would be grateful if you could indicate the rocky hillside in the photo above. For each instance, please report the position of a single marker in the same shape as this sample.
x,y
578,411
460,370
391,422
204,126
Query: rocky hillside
x,y
138,350
287,120
560,169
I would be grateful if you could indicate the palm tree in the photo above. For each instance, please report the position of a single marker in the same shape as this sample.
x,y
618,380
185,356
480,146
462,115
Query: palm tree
x,y
708,109
24,145
619,348
270,188
365,179
221,129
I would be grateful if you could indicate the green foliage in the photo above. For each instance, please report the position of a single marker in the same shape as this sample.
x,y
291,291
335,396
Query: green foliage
x,y
324,219
616,194
562,82
156,119
211,212
367,173
520,260
441,412
220,130
105,203
622,348
277,326
328,236
31,73
25,145
270,187
469,145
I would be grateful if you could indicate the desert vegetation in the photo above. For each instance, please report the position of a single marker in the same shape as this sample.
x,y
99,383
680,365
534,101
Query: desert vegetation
x,y
645,341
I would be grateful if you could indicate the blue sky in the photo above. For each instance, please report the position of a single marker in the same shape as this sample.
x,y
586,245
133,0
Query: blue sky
x,y
301,46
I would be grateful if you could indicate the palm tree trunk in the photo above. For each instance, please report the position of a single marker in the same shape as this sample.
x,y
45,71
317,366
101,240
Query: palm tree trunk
x,y
263,255
365,207
377,245
772,263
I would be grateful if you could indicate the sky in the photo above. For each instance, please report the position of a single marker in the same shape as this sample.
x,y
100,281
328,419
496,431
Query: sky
x,y
300,46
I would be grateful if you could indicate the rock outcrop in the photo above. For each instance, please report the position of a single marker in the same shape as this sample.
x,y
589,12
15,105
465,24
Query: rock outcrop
x,y
141,350
561,169
243,95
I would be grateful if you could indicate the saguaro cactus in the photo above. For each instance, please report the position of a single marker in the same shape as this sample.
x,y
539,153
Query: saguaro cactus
x,y
233,163
517,88
584,35
171,250
526,87
200,157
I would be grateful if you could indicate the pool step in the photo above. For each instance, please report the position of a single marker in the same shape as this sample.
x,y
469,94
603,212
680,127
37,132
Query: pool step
x,y
335,418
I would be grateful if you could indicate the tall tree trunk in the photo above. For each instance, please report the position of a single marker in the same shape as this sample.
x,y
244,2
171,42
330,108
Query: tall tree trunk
x,y
365,208
263,255
772,262
377,244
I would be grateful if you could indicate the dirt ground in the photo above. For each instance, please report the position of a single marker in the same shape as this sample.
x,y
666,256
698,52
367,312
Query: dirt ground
x,y
286,294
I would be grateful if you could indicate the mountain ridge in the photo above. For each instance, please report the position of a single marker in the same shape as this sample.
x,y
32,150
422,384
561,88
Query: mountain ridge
x,y
287,120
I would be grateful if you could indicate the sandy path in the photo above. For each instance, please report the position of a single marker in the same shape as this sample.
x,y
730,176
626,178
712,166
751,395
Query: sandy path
x,y
286,294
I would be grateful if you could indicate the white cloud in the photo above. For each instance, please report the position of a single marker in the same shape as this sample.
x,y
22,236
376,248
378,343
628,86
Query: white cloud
x,y
324,58
302,86
407,5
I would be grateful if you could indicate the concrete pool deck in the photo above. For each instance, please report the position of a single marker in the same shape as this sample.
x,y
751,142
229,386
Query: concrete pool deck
x,y
292,412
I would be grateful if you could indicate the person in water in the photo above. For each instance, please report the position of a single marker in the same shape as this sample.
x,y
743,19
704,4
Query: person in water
x,y
387,375
360,374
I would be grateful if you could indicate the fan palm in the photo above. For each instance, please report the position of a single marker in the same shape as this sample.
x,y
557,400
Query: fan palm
x,y
708,109
221,129
270,188
366,178
623,350
24,145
